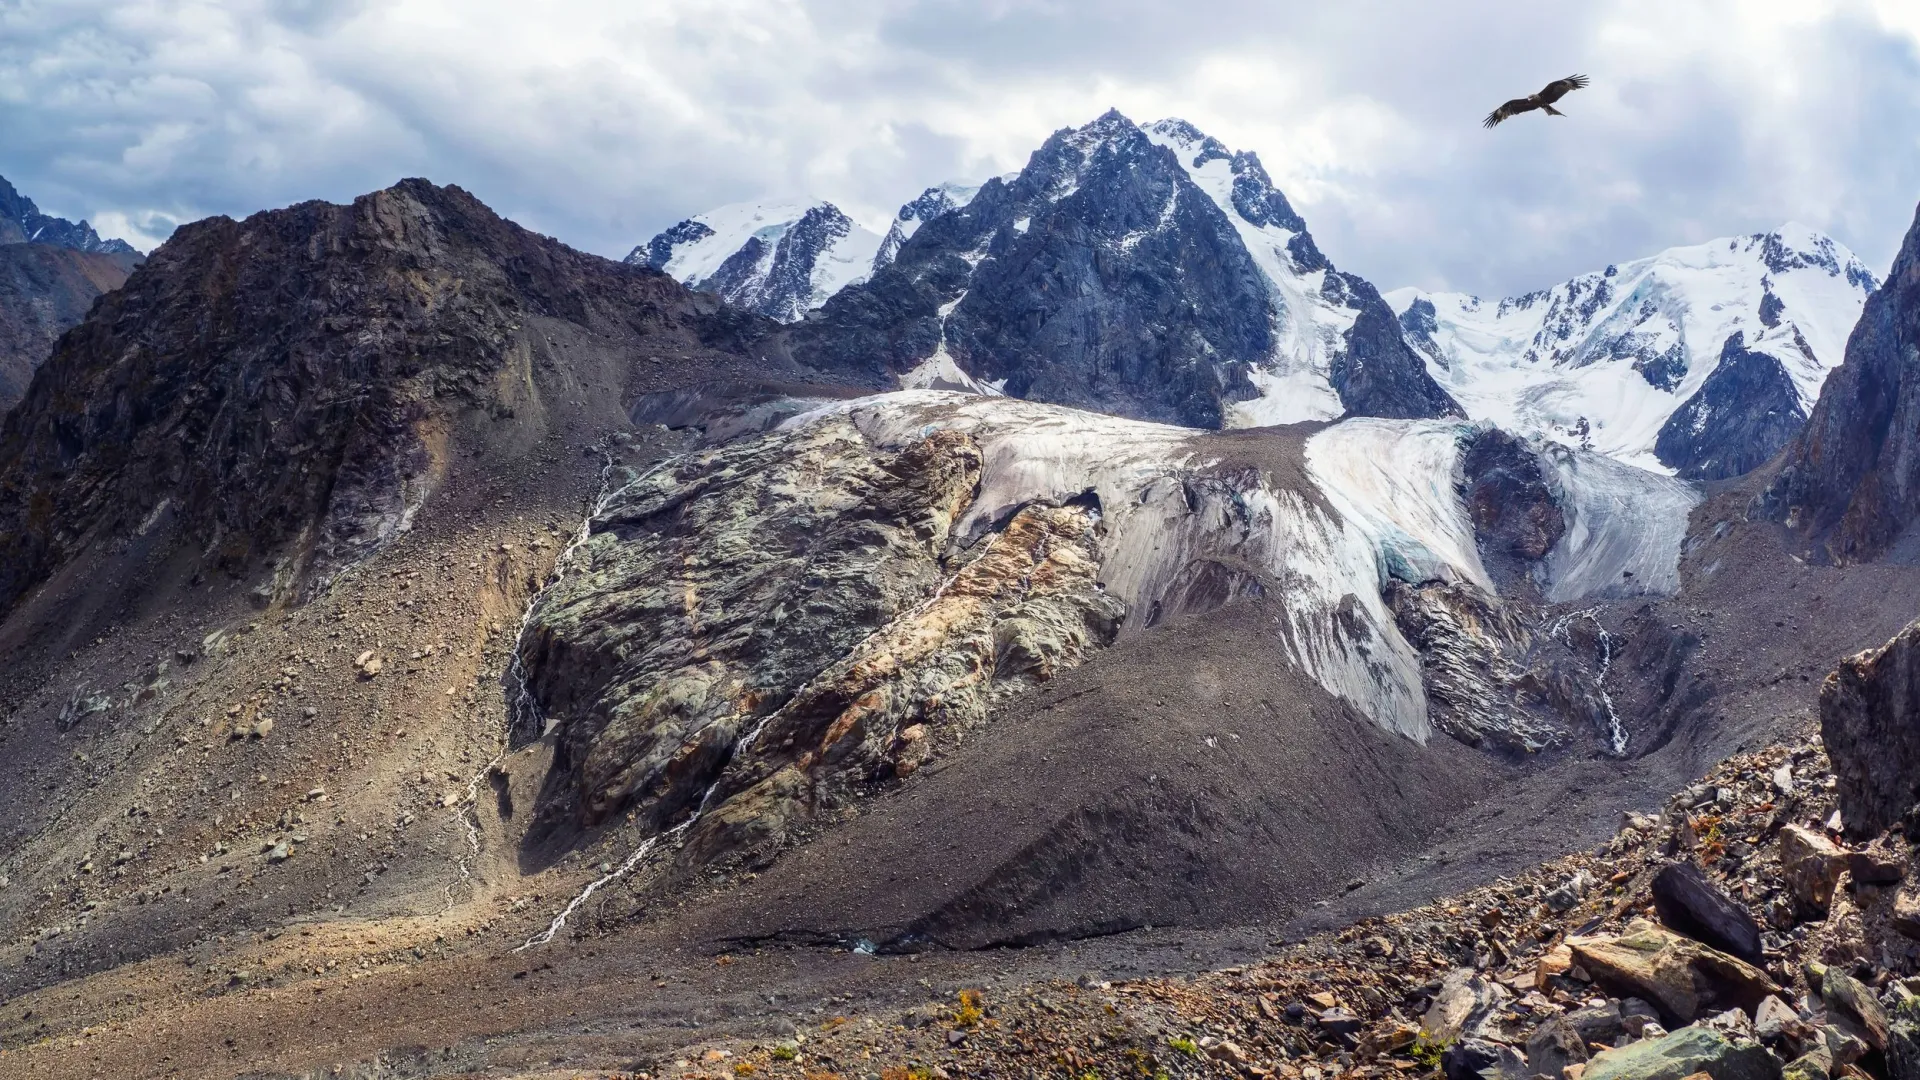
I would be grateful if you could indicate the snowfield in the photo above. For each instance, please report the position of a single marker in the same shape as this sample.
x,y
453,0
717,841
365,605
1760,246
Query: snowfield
x,y
1602,360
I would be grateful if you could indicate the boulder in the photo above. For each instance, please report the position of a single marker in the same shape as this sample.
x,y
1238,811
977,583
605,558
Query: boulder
x,y
1813,1065
1680,976
1847,995
1557,1044
1465,1001
1693,905
1812,865
1870,723
1683,1053
1479,1059
1903,1041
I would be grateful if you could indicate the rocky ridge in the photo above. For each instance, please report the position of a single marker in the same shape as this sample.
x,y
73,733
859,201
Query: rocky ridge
x,y
44,291
21,222
780,260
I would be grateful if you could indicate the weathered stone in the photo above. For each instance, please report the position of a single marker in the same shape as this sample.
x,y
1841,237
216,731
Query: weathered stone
x,y
1843,992
1903,1041
1812,865
1480,1059
1878,864
1683,1053
1681,976
1906,912
1775,1020
1555,1045
1694,906
1465,1001
1816,1064
1870,723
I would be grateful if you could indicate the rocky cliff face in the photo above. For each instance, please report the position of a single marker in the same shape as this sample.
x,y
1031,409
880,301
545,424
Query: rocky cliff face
x,y
1850,481
21,222
1870,723
1145,272
44,289
1740,417
283,387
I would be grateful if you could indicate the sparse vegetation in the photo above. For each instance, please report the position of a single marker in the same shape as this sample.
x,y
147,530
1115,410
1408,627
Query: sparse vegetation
x,y
1184,1045
970,1012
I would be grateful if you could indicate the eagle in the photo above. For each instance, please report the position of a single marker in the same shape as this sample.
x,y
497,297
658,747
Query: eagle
x,y
1548,94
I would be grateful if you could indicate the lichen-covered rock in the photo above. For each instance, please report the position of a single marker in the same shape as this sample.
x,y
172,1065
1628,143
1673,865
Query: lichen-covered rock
x,y
1681,1054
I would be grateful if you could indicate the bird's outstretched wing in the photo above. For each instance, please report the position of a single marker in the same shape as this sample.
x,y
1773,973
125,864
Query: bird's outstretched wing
x,y
1560,88
1510,109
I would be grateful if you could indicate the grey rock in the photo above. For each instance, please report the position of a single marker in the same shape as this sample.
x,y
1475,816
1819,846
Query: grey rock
x,y
1689,903
1739,418
1556,1044
1480,1059
1683,1053
1464,1003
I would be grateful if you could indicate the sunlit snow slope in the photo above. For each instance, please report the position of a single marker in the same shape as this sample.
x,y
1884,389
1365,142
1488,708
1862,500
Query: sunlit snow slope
x,y
781,259
1603,360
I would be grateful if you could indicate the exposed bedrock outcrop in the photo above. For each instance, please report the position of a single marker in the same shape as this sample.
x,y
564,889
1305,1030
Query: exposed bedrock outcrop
x,y
1849,483
1516,514
1870,721
760,632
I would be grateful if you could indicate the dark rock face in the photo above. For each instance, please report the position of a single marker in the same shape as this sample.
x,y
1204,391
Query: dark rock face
x,y
1693,905
1516,518
1870,722
930,204
655,253
1418,324
45,289
22,222
1850,480
284,385
1738,419
1104,277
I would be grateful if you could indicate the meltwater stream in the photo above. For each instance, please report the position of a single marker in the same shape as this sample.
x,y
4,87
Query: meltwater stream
x,y
1560,631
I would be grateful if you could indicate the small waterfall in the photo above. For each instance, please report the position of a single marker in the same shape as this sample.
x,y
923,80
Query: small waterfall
x,y
1561,631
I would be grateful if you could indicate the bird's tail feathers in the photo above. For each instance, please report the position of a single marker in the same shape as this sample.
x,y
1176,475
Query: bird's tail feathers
x,y
1551,111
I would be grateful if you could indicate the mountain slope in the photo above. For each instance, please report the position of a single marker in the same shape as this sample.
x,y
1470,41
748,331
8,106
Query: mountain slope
x,y
22,222
1145,272
44,289
1606,359
279,388
777,259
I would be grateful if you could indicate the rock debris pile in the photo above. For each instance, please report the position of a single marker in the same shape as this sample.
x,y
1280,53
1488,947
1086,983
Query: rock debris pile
x,y
1733,933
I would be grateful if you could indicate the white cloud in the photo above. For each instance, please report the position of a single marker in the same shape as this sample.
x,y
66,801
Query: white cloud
x,y
602,122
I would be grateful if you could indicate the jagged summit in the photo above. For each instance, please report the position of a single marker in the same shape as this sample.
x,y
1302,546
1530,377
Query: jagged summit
x,y
21,222
1609,359
1143,271
780,259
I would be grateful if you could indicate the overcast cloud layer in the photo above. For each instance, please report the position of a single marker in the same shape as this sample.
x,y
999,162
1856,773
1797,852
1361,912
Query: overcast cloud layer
x,y
601,123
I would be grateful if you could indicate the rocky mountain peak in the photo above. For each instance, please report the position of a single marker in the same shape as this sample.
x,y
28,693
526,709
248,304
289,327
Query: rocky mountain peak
x,y
778,259
22,222
198,403
1145,271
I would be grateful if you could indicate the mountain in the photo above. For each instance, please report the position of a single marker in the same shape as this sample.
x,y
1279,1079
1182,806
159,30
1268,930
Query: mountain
x,y
202,404
1625,360
930,204
778,259
45,289
1142,271
21,222
1849,482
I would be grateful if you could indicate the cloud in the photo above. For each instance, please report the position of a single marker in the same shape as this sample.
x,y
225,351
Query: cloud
x,y
603,122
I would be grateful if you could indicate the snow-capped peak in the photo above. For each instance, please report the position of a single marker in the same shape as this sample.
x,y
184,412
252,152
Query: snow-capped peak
x,y
1605,359
781,258
931,204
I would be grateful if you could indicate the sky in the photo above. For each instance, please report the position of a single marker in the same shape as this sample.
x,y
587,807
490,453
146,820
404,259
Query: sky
x,y
602,123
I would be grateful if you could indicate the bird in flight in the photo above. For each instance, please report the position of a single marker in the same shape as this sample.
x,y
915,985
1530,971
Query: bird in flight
x,y
1548,94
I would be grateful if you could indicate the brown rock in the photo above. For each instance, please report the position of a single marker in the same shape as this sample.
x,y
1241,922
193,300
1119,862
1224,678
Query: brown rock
x,y
1846,994
1680,976
1812,865
1906,913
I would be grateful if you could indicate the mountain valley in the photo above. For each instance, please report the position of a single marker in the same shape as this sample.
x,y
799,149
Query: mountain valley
x,y
433,650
